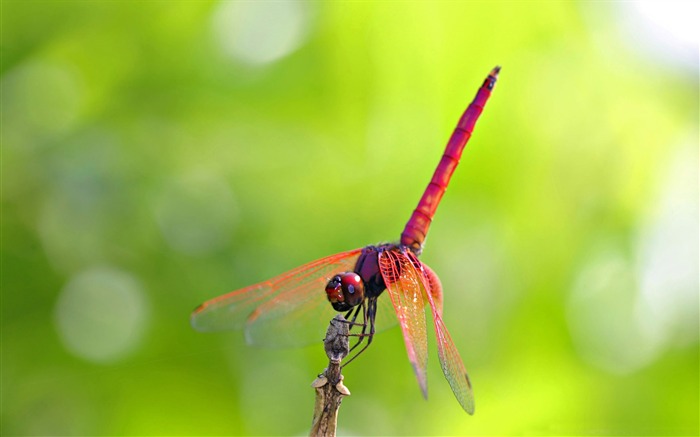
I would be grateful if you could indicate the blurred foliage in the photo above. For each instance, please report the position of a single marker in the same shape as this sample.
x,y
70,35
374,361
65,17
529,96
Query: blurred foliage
x,y
156,154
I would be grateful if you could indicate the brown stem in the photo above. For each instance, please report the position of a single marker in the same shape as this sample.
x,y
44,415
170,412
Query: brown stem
x,y
329,385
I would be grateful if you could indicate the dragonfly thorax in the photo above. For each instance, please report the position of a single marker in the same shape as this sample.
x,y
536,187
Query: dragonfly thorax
x,y
368,268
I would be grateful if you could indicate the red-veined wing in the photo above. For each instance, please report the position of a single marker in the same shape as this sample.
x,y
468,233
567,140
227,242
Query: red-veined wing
x,y
288,310
403,283
450,361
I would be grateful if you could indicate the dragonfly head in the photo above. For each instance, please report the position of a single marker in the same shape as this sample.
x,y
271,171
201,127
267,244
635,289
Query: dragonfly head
x,y
345,291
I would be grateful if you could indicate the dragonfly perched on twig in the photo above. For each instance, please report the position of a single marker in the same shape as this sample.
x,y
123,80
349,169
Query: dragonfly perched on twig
x,y
280,311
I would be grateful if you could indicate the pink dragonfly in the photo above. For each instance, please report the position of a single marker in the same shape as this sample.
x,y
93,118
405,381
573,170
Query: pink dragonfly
x,y
280,311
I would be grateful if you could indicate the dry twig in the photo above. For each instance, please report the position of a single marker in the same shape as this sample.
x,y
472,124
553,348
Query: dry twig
x,y
329,385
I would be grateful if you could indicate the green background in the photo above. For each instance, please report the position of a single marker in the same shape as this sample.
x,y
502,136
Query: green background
x,y
157,154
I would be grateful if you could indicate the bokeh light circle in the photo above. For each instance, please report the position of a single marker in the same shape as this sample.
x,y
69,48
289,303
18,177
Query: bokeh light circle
x,y
258,33
101,314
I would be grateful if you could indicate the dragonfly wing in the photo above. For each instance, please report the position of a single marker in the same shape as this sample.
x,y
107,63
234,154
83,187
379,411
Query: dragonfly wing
x,y
280,311
386,314
450,361
434,287
403,283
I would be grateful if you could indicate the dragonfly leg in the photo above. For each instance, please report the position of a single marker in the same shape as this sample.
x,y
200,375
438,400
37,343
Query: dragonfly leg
x,y
361,336
356,311
368,315
351,319
352,316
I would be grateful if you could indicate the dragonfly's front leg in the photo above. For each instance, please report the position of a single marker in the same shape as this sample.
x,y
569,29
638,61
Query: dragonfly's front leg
x,y
368,315
351,319
355,312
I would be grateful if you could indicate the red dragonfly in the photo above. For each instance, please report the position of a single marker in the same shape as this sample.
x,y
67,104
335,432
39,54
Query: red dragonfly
x,y
280,311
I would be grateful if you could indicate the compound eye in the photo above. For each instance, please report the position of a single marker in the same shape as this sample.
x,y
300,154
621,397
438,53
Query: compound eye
x,y
353,288
352,284
345,291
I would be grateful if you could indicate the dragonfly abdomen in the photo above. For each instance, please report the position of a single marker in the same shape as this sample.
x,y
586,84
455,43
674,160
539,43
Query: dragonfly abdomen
x,y
413,235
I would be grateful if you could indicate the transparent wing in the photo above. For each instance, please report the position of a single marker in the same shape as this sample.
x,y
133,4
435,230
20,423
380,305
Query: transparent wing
x,y
435,288
403,283
450,361
386,314
288,310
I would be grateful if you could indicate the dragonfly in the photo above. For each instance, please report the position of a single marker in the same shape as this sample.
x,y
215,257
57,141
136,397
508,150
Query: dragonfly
x,y
293,309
